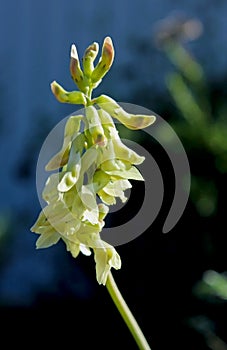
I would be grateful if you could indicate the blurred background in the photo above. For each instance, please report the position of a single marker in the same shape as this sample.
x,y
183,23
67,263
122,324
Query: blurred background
x,y
170,58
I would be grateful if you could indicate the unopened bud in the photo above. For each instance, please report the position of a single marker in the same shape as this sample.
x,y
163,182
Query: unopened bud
x,y
75,70
131,121
74,97
89,57
105,61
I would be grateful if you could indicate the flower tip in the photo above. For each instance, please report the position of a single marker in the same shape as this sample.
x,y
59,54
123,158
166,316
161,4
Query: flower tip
x,y
103,211
94,46
140,121
108,41
58,91
73,52
152,120
105,61
53,86
108,48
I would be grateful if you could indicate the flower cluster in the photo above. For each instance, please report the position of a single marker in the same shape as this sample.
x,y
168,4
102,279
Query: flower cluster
x,y
93,167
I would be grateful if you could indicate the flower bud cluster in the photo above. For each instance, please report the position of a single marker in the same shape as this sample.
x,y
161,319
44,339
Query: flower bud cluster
x,y
93,169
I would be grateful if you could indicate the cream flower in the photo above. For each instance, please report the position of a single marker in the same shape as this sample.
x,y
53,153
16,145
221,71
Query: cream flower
x,y
93,167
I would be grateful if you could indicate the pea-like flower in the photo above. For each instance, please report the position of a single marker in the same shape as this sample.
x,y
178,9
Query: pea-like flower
x,y
131,121
73,213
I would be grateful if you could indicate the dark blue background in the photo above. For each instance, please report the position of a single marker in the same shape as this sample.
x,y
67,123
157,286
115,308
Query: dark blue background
x,y
47,292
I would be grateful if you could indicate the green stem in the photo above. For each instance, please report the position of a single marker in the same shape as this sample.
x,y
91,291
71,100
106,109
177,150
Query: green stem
x,y
89,94
126,314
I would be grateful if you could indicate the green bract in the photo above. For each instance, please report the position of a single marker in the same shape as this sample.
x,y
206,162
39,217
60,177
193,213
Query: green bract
x,y
93,167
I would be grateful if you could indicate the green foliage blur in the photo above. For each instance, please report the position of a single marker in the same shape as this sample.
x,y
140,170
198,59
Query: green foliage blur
x,y
199,121
199,118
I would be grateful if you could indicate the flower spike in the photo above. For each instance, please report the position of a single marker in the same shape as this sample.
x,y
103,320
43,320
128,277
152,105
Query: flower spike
x,y
93,167
92,171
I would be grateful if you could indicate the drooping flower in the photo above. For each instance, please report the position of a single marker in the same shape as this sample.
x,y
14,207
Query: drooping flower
x,y
131,121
